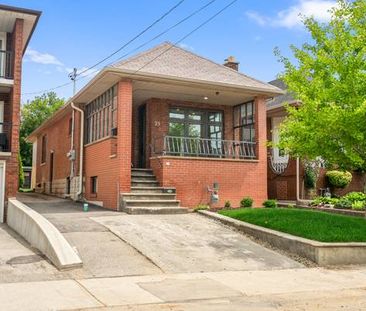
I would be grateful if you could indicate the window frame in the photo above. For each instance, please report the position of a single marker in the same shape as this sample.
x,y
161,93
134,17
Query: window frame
x,y
44,149
204,122
94,185
249,123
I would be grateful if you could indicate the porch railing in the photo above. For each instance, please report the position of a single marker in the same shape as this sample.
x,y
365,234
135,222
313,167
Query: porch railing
x,y
203,147
6,64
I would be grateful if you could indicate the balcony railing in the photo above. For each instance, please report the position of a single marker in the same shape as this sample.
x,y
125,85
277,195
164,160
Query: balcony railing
x,y
202,147
6,64
5,133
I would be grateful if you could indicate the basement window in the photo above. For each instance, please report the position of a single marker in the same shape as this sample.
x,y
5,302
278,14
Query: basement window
x,y
94,184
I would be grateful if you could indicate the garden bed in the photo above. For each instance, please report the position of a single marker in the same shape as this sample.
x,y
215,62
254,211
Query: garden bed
x,y
325,239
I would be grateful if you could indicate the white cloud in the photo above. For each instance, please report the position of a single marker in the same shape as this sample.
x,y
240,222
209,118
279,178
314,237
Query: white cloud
x,y
41,58
292,16
186,46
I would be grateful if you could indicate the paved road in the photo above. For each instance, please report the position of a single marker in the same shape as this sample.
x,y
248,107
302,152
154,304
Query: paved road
x,y
193,243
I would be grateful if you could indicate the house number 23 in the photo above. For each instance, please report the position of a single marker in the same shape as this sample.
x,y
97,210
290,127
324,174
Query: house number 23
x,y
157,123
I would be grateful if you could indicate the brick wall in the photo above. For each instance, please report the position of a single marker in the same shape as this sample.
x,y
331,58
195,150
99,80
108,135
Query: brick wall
x,y
58,142
100,160
192,176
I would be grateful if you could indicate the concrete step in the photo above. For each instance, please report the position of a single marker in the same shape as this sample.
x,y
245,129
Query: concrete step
x,y
142,178
148,196
142,173
139,210
145,183
152,190
151,203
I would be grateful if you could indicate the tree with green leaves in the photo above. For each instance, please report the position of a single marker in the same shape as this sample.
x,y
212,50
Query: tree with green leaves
x,y
329,78
33,114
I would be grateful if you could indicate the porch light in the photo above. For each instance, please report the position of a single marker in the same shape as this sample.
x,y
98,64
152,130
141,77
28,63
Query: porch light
x,y
205,98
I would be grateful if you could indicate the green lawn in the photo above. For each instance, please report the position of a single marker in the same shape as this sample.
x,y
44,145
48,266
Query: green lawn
x,y
314,225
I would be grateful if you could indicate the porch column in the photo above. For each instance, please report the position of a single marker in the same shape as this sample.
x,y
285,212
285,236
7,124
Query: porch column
x,y
260,128
124,134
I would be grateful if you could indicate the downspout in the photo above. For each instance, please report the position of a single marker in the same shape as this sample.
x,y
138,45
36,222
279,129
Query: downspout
x,y
81,156
297,179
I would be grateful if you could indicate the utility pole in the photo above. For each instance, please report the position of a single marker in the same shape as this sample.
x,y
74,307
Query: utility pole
x,y
72,76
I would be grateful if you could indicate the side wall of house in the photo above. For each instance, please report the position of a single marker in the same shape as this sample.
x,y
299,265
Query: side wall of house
x,y
58,139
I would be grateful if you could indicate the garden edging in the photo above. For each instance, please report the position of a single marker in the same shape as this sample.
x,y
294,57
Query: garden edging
x,y
324,254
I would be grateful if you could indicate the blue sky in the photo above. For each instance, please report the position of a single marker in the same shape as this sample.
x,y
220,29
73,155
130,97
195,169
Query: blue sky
x,y
80,33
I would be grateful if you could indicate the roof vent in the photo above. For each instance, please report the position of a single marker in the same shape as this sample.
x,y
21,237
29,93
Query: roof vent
x,y
232,63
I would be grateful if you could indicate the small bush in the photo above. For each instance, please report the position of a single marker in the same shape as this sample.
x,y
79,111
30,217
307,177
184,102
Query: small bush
x,y
343,203
270,203
358,205
310,178
246,202
355,196
227,204
324,200
201,207
339,179
290,206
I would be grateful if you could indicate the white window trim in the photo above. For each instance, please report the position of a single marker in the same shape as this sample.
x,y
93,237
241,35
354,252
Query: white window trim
x,y
2,104
2,198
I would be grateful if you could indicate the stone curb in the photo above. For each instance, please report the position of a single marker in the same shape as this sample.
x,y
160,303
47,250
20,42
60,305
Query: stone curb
x,y
324,254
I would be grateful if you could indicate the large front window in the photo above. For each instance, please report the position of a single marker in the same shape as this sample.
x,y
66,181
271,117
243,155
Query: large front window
x,y
244,121
184,122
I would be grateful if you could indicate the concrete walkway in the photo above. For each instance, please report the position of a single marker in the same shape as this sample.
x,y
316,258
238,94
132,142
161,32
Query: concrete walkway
x,y
296,289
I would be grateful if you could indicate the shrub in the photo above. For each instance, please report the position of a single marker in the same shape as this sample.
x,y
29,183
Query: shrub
x,y
270,203
358,205
246,202
339,179
310,178
324,200
201,207
227,204
343,203
355,196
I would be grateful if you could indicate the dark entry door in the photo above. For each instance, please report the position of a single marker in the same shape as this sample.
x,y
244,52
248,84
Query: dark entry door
x,y
142,136
51,171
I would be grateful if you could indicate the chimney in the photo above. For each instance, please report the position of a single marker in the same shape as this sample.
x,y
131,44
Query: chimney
x,y
232,63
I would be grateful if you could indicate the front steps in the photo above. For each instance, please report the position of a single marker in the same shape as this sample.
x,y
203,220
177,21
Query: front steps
x,y
147,197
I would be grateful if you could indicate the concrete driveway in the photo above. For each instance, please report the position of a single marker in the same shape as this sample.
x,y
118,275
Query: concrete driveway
x,y
192,243
103,253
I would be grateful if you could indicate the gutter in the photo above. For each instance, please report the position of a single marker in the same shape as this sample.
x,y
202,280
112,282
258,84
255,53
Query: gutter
x,y
81,156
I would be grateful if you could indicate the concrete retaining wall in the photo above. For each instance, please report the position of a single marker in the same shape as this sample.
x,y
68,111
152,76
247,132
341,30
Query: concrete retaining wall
x,y
41,234
324,254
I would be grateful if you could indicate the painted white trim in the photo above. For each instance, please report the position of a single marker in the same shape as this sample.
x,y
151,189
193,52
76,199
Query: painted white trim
x,y
3,56
34,165
1,115
2,197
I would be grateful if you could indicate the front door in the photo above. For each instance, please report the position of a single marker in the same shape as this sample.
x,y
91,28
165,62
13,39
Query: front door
x,y
142,136
2,190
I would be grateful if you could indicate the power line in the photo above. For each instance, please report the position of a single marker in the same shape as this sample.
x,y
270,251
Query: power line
x,y
115,52
189,34
134,38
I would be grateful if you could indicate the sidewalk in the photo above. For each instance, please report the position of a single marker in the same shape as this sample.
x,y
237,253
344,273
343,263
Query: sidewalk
x,y
314,289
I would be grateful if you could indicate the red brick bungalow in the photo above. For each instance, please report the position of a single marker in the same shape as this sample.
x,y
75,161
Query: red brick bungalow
x,y
160,129
16,29
282,169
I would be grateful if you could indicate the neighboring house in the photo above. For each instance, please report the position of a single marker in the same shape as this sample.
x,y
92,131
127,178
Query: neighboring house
x,y
282,170
195,124
16,28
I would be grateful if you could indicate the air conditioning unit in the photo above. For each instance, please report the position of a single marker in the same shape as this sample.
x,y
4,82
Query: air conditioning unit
x,y
71,155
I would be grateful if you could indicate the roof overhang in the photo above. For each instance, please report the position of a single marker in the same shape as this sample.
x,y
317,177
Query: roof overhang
x,y
109,76
8,16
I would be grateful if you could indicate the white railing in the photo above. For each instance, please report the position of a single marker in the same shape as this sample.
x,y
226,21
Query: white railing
x,y
204,147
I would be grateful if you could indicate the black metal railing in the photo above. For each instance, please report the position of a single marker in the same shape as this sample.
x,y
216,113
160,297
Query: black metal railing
x,y
203,147
5,135
6,64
